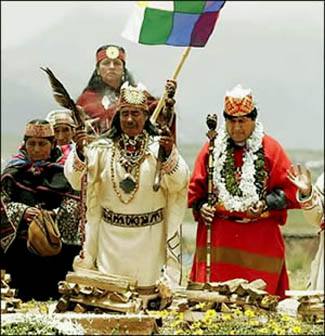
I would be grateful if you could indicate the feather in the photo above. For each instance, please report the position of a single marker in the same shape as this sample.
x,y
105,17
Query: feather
x,y
62,97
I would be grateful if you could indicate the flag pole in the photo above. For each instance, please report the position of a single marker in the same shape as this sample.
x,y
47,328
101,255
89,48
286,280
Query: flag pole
x,y
158,108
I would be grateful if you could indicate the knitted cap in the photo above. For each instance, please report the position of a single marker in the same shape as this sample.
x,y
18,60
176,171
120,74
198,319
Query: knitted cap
x,y
60,117
239,101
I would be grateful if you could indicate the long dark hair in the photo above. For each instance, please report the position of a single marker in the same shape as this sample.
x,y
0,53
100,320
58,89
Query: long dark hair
x,y
115,131
96,83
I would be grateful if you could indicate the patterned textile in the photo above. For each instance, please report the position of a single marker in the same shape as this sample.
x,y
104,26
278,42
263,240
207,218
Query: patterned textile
x,y
27,184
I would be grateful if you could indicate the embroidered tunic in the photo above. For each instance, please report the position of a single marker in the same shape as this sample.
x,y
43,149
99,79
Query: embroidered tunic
x,y
314,212
241,248
130,239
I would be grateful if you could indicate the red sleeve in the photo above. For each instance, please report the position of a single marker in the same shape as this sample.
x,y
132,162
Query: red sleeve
x,y
277,162
91,103
198,188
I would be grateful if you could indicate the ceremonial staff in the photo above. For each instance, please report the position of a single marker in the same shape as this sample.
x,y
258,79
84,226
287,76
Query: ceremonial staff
x,y
168,116
211,134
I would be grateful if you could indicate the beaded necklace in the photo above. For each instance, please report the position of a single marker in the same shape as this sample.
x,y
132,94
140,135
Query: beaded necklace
x,y
129,160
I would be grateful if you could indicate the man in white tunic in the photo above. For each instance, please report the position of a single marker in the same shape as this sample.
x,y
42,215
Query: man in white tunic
x,y
311,199
131,229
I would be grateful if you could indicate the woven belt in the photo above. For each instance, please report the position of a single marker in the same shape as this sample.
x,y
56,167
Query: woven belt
x,y
129,220
238,219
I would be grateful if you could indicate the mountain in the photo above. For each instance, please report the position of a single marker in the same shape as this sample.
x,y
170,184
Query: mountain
x,y
284,68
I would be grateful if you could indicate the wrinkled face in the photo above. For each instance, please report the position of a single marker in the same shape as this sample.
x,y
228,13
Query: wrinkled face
x,y
132,120
240,128
38,148
63,134
111,71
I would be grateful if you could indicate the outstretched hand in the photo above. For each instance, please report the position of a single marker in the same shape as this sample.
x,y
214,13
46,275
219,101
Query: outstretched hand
x,y
300,179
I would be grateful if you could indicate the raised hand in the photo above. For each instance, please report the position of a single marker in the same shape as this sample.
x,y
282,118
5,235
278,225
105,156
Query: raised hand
x,y
300,179
167,140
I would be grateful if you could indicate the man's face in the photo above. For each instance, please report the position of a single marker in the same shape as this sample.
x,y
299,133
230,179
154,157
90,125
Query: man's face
x,y
240,128
111,71
132,120
63,134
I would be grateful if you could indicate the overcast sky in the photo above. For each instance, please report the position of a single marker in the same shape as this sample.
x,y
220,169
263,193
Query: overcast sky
x,y
285,70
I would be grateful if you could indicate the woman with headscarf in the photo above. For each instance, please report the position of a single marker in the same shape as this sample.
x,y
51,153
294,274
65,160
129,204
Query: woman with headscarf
x,y
33,187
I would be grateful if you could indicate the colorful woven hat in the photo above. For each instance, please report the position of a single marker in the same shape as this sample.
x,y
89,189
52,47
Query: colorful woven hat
x,y
60,117
39,130
133,96
111,52
239,101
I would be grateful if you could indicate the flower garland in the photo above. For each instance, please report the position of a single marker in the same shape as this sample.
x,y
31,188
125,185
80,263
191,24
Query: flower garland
x,y
238,194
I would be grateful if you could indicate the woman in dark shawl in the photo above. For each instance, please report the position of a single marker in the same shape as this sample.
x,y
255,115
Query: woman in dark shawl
x,y
34,179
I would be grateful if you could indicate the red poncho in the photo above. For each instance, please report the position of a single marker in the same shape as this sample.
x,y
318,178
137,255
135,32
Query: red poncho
x,y
244,250
91,102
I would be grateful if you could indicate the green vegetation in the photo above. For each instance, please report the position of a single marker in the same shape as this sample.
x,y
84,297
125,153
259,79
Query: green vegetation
x,y
41,324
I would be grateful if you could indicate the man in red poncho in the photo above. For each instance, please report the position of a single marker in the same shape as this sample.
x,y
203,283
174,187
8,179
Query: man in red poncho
x,y
252,196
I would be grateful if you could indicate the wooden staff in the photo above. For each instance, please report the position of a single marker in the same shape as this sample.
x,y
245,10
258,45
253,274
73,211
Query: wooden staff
x,y
167,118
211,134
157,110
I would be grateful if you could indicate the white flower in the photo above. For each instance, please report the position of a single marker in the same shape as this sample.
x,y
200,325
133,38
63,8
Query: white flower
x,y
247,181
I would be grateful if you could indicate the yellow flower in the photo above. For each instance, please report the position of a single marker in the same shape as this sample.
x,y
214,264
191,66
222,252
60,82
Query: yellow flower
x,y
249,313
279,331
285,318
173,312
180,316
238,312
252,323
273,325
200,305
227,317
179,332
43,309
207,320
198,332
263,330
210,313
196,325
296,329
175,324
